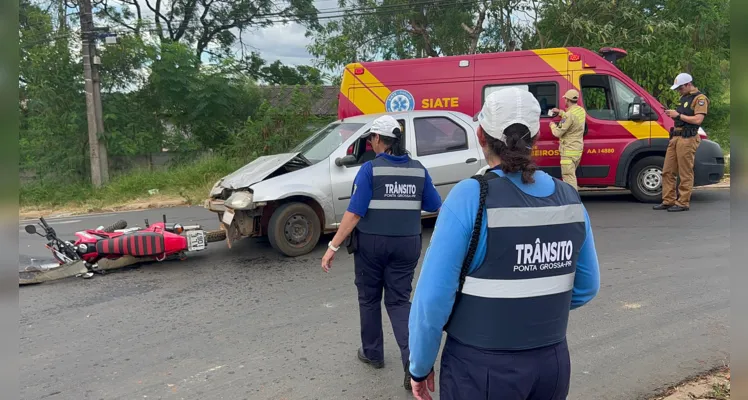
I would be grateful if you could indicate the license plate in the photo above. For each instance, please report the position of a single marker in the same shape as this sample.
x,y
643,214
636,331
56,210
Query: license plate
x,y
195,240
228,216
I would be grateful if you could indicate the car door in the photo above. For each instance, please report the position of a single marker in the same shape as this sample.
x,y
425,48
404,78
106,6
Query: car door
x,y
447,147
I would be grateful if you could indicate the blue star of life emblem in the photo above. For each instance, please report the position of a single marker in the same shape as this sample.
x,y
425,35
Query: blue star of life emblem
x,y
400,100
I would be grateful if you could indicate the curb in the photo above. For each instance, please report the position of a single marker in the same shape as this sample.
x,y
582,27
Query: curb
x,y
721,185
29,215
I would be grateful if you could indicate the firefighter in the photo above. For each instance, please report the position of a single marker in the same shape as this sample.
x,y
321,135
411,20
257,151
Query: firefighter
x,y
383,228
684,140
570,132
512,252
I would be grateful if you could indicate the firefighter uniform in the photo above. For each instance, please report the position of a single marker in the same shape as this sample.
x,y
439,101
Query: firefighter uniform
x,y
389,193
570,132
681,150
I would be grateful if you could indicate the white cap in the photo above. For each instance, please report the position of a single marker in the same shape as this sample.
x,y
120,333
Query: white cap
x,y
681,80
385,126
506,107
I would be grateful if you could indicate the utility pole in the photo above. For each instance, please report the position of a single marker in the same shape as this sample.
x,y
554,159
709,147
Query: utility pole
x,y
97,150
103,155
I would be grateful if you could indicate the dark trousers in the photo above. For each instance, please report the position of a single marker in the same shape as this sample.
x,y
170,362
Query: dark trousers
x,y
469,373
385,263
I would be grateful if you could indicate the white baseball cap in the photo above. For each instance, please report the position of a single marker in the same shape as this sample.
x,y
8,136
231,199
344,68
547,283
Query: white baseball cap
x,y
506,107
384,126
681,80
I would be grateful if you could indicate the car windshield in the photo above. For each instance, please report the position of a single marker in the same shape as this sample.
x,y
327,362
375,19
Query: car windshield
x,y
320,145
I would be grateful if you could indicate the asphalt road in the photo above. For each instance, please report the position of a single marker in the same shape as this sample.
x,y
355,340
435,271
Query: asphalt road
x,y
247,323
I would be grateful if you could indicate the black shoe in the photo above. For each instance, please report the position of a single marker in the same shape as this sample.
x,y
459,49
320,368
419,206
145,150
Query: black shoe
x,y
677,209
406,381
662,206
373,363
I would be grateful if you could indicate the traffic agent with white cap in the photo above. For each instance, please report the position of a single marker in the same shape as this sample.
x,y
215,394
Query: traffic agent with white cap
x,y
383,229
499,277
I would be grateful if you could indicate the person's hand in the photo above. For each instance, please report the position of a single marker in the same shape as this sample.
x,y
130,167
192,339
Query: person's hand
x,y
421,389
671,113
555,111
327,260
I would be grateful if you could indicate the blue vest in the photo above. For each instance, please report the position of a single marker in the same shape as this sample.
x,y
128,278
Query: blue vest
x,y
395,206
519,297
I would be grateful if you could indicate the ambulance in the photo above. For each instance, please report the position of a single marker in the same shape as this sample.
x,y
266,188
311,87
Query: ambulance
x,y
627,130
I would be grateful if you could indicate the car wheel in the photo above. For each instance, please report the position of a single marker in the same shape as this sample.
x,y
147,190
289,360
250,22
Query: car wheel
x,y
645,179
294,229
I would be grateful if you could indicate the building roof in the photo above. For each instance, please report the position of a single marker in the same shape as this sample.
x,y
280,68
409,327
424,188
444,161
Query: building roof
x,y
326,103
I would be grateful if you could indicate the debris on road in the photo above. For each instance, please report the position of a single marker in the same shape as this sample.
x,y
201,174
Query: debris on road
x,y
712,385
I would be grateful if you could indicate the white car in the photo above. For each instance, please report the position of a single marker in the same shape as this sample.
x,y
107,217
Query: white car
x,y
295,197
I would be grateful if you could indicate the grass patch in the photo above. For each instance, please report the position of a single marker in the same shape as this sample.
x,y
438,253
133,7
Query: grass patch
x,y
720,391
191,182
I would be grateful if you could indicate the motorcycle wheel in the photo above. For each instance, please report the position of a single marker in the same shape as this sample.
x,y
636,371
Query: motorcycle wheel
x,y
121,224
215,236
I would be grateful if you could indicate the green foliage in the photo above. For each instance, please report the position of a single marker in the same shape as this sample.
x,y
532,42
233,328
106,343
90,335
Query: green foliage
x,y
277,129
193,180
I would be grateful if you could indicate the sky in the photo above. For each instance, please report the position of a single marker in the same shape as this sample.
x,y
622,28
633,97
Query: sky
x,y
285,42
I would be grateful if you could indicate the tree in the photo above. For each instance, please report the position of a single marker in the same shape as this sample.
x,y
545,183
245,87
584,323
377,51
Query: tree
x,y
203,23
399,29
52,136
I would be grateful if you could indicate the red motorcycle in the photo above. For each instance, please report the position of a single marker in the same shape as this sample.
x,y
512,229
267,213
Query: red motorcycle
x,y
158,241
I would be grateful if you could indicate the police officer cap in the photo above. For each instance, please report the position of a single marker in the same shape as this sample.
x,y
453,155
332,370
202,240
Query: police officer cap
x,y
385,125
506,107
681,80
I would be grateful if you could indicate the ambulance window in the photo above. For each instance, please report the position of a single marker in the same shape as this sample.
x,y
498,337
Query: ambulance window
x,y
623,97
546,93
436,135
597,97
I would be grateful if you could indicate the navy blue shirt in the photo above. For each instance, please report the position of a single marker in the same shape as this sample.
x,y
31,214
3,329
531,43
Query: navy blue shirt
x,y
362,188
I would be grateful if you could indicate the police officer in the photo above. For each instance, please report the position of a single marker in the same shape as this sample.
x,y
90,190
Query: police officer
x,y
684,140
384,217
570,132
512,252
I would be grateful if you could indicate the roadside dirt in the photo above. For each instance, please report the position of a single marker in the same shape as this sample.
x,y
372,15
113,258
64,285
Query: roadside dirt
x,y
157,201
713,385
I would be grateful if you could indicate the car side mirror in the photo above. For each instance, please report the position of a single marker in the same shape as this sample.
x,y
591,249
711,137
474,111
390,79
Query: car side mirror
x,y
345,161
30,229
639,110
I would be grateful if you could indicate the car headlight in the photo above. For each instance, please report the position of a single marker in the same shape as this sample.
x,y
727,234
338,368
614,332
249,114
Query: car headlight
x,y
240,201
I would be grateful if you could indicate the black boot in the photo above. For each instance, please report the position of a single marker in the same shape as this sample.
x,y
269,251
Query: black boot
x,y
677,209
662,206
373,363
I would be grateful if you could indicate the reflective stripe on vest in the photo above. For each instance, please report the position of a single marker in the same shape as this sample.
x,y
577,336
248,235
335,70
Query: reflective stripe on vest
x,y
395,206
525,281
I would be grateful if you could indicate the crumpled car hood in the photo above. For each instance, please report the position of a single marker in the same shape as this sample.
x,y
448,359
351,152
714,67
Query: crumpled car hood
x,y
259,169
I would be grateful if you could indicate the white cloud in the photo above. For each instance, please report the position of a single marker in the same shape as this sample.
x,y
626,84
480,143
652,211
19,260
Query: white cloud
x,y
286,43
